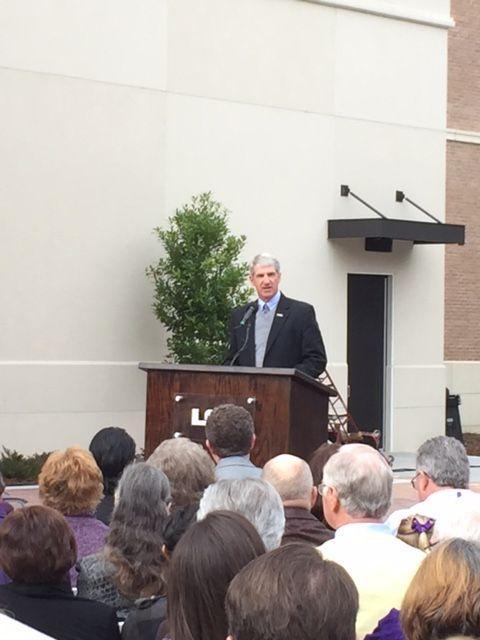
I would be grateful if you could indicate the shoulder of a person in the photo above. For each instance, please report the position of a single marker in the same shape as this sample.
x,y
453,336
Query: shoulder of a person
x,y
94,562
298,305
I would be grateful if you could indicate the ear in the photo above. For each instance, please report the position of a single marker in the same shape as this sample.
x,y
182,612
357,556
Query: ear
x,y
254,440
165,553
331,497
423,482
313,497
211,451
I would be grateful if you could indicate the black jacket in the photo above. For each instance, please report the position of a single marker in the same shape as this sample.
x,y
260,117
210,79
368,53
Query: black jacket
x,y
294,341
55,611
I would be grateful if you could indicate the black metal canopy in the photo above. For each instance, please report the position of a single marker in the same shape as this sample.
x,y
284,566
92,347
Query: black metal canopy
x,y
380,232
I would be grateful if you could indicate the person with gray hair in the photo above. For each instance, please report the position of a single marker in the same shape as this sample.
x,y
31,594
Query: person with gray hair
x,y
188,467
292,478
442,474
275,331
132,564
254,499
357,491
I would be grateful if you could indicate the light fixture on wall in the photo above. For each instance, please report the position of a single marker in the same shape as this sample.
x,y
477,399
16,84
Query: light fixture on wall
x,y
346,191
400,197
379,233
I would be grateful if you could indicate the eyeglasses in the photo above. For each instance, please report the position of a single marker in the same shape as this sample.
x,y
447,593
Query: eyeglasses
x,y
413,480
321,488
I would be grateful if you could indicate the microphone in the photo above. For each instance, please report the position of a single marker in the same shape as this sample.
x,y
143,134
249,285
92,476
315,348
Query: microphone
x,y
250,310
248,314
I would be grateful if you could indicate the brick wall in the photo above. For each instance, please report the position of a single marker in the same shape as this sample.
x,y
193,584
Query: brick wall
x,y
464,66
462,264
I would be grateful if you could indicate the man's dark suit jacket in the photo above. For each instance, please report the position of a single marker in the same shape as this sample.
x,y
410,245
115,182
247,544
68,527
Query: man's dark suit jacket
x,y
294,341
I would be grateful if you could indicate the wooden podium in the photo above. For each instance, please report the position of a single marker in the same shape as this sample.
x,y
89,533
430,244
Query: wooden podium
x,y
290,409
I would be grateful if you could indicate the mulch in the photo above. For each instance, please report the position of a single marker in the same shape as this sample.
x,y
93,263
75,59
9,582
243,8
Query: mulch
x,y
472,443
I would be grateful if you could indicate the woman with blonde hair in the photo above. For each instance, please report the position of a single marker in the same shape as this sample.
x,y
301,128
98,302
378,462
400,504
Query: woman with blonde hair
x,y
71,483
443,600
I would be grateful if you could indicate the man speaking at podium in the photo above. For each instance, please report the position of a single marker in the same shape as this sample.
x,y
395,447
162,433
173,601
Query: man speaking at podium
x,y
275,331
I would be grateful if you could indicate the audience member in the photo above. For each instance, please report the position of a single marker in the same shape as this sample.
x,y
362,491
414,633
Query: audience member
x,y
292,478
203,564
188,467
357,489
291,593
113,449
132,565
37,549
462,522
443,599
256,500
5,507
316,463
177,523
230,438
441,481
71,482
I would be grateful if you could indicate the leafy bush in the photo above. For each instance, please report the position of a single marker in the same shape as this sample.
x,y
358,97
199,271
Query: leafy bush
x,y
19,468
199,281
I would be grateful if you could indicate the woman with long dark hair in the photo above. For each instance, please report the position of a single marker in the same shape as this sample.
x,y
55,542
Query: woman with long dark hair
x,y
132,564
205,560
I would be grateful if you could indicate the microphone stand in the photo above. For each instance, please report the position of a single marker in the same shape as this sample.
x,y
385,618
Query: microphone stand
x,y
242,348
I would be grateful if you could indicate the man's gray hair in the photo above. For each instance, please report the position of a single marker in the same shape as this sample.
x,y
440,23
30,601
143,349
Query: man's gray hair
x,y
254,499
445,461
291,477
363,480
264,260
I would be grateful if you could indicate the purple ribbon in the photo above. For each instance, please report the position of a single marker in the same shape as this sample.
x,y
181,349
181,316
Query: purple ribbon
x,y
418,527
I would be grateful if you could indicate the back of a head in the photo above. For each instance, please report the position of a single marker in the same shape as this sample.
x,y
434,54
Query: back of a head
x,y
443,599
445,461
230,430
292,593
188,467
71,482
37,546
319,459
113,449
255,499
290,476
207,557
134,543
363,480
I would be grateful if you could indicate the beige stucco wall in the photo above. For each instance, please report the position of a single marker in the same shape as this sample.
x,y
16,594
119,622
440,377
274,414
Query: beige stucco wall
x,y
115,114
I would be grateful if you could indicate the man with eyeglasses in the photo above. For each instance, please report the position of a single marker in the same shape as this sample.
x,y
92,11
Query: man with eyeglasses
x,y
442,473
356,494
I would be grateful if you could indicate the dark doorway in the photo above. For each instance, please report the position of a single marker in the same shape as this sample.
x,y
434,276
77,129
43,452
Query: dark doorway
x,y
366,350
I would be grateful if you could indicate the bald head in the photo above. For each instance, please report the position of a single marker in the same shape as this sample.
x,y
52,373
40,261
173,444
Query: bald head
x,y
292,478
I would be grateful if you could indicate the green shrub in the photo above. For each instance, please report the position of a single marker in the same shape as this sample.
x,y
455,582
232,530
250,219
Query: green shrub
x,y
19,468
199,281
